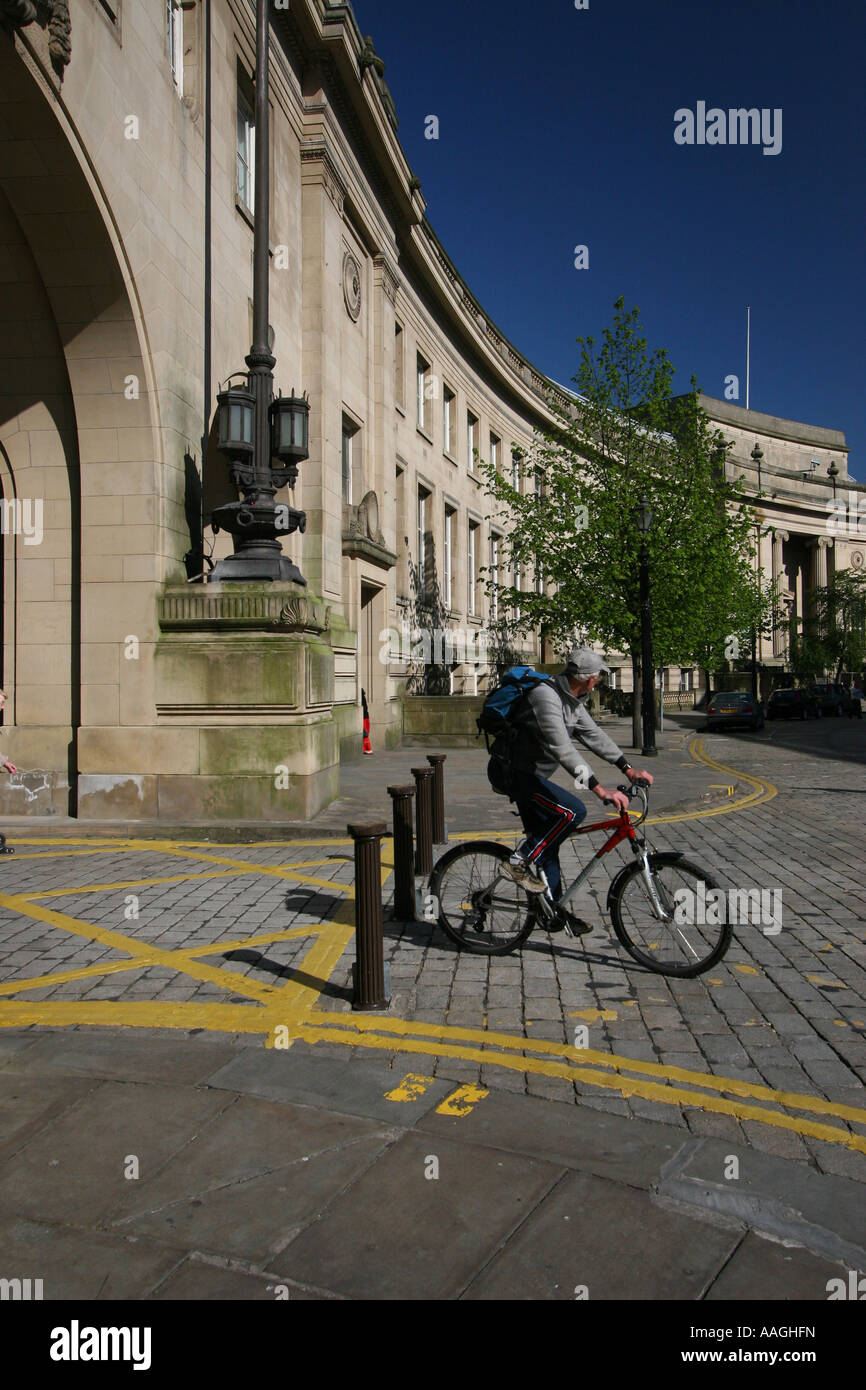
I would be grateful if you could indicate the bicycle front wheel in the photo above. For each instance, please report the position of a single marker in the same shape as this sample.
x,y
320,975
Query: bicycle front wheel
x,y
683,942
478,908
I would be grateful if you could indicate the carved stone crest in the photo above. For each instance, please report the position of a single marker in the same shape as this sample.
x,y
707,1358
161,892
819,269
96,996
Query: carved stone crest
x,y
52,15
352,286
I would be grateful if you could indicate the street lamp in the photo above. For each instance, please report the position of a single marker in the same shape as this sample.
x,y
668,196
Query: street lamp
x,y
643,514
254,427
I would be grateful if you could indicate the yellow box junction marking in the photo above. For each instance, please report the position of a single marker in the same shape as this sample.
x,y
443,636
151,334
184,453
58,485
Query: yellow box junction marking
x,y
410,1088
461,1101
293,1004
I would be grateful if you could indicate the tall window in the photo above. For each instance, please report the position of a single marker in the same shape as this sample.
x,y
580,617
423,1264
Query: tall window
x,y
515,470
472,570
399,366
246,143
350,459
424,576
424,379
449,556
517,578
495,442
174,41
494,575
449,420
471,440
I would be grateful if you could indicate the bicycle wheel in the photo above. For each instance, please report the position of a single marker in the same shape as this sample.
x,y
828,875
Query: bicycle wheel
x,y
479,910
685,944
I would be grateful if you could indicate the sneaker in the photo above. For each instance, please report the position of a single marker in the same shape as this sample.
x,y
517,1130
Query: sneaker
x,y
526,877
575,926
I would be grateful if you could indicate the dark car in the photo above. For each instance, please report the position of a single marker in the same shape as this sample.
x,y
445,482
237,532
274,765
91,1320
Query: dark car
x,y
734,707
793,704
833,699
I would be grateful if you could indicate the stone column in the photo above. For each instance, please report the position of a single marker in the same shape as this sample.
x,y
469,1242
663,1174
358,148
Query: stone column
x,y
822,546
779,578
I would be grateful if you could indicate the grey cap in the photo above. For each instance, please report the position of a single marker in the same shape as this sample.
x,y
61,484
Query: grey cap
x,y
583,662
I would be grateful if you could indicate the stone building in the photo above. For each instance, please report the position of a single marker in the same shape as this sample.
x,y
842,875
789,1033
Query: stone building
x,y
135,690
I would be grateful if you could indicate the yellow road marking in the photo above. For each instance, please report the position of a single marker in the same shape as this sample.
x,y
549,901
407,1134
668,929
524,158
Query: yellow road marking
x,y
116,967
666,1095
824,982
461,1101
130,883
150,955
594,1015
431,1032
746,969
411,1087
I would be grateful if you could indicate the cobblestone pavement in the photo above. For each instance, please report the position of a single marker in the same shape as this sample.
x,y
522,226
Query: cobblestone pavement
x,y
767,1050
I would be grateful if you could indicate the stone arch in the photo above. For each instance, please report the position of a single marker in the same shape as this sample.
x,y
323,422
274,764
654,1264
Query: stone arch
x,y
79,425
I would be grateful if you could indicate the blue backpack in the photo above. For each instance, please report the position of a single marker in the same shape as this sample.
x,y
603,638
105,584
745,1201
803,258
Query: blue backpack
x,y
498,719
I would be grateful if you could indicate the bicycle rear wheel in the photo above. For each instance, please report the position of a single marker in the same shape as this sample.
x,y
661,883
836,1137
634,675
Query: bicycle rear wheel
x,y
685,944
478,909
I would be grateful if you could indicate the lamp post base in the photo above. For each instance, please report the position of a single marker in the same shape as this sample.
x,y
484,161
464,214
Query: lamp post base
x,y
245,566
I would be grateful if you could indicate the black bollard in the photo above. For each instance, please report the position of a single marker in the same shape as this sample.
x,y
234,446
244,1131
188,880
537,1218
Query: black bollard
x,y
436,760
423,820
369,969
404,867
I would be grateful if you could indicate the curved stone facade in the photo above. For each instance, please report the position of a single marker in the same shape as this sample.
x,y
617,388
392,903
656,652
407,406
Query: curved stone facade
x,y
136,691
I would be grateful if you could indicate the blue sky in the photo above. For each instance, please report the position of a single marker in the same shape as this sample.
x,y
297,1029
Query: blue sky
x,y
556,129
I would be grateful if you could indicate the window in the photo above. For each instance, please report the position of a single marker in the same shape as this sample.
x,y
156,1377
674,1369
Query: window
x,y
494,575
351,458
472,570
399,365
424,379
471,440
449,557
174,41
495,442
424,572
449,420
246,143
516,459
517,578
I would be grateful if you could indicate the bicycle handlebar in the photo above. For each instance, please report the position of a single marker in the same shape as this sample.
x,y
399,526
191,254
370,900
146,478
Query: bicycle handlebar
x,y
636,788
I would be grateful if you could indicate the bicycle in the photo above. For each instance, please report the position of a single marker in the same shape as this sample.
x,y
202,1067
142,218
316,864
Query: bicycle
x,y
488,914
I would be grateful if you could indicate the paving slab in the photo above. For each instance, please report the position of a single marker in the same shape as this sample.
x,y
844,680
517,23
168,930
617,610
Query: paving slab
x,y
82,1264
295,1075
196,1281
29,1105
177,1061
253,1220
432,1234
74,1169
790,1201
601,1240
574,1137
761,1269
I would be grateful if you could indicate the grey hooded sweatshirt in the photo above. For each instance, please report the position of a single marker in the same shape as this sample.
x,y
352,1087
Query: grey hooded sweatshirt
x,y
553,716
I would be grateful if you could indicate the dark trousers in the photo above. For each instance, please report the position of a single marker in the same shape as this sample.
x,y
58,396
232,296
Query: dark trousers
x,y
549,814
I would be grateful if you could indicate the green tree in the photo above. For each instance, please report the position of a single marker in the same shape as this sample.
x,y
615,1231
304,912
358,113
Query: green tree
x,y
833,636
573,523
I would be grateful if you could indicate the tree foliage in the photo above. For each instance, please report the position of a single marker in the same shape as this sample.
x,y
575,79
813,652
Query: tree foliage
x,y
573,520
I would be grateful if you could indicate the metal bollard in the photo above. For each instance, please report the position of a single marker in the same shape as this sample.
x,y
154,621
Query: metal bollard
x,y
436,760
404,868
368,972
423,820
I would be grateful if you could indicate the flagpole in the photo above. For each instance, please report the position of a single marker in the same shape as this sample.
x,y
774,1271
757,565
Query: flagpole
x,y
748,349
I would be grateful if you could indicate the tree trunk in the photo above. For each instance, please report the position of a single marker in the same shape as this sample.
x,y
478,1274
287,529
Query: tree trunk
x,y
636,723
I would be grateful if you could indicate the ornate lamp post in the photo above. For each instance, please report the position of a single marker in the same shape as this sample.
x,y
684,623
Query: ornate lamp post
x,y
254,427
644,516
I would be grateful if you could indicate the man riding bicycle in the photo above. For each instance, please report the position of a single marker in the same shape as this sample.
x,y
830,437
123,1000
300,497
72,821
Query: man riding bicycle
x,y
553,715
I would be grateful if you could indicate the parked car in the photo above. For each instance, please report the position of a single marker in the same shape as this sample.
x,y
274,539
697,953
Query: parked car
x,y
729,707
833,699
793,704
